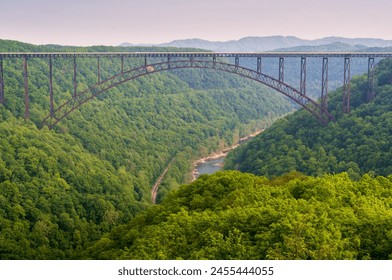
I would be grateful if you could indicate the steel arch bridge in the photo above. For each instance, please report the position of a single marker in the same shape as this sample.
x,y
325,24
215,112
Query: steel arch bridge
x,y
198,60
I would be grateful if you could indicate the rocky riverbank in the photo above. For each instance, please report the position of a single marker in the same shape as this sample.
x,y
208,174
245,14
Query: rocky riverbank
x,y
220,154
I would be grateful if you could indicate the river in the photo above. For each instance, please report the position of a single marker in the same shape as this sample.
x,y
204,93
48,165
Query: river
x,y
214,162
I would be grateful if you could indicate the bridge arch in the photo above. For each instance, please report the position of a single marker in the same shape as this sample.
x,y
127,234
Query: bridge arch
x,y
75,102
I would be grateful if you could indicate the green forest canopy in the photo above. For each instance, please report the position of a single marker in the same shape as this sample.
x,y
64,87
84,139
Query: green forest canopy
x,y
359,142
62,189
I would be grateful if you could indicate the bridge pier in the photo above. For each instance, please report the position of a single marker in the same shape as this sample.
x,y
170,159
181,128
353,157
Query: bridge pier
x,y
75,84
281,69
2,98
259,65
302,86
99,70
371,93
324,84
26,89
51,86
346,85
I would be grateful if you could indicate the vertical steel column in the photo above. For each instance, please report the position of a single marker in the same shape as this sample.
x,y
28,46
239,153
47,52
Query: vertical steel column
x,y
191,58
99,70
346,85
214,61
237,63
145,63
26,88
168,61
259,65
122,64
2,99
371,93
75,84
281,69
51,86
324,84
302,85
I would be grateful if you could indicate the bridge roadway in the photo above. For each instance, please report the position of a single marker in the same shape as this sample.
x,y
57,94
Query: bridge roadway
x,y
192,54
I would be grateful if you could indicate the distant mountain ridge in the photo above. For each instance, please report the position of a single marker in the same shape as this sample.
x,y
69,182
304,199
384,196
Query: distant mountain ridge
x,y
270,43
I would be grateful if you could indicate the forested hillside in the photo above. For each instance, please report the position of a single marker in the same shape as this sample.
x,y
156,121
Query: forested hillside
x,y
231,215
358,143
62,189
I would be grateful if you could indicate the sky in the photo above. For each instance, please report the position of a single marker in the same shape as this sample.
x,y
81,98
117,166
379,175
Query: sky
x,y
112,22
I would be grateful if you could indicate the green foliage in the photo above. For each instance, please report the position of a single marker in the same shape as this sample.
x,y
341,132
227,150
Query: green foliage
x,y
231,215
358,143
61,190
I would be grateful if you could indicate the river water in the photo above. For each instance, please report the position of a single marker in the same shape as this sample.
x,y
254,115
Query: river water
x,y
214,163
209,166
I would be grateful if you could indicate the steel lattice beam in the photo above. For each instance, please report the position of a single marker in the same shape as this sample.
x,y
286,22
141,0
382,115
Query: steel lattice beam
x,y
194,54
206,60
306,102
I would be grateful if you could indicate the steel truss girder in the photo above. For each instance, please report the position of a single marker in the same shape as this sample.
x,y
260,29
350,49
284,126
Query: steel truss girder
x,y
306,102
346,85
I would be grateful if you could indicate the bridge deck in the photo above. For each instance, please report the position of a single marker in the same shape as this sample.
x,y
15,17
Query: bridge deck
x,y
191,54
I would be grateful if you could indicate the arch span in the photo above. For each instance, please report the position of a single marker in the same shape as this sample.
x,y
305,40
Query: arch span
x,y
75,102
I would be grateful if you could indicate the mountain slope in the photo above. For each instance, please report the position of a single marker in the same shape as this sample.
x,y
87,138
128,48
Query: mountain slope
x,y
62,189
270,43
358,143
231,215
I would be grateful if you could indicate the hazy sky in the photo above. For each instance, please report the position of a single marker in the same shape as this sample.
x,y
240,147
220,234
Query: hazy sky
x,y
112,22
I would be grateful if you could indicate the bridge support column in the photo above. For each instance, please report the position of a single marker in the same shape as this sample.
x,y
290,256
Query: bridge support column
x,y
75,84
2,98
258,65
122,64
168,62
371,93
51,86
346,86
214,61
281,69
302,85
324,85
192,60
99,70
26,89
237,63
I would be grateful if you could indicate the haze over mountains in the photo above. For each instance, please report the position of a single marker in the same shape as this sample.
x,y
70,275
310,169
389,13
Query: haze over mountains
x,y
260,44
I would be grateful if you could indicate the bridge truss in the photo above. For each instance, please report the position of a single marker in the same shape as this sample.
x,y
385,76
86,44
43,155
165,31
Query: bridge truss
x,y
198,60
